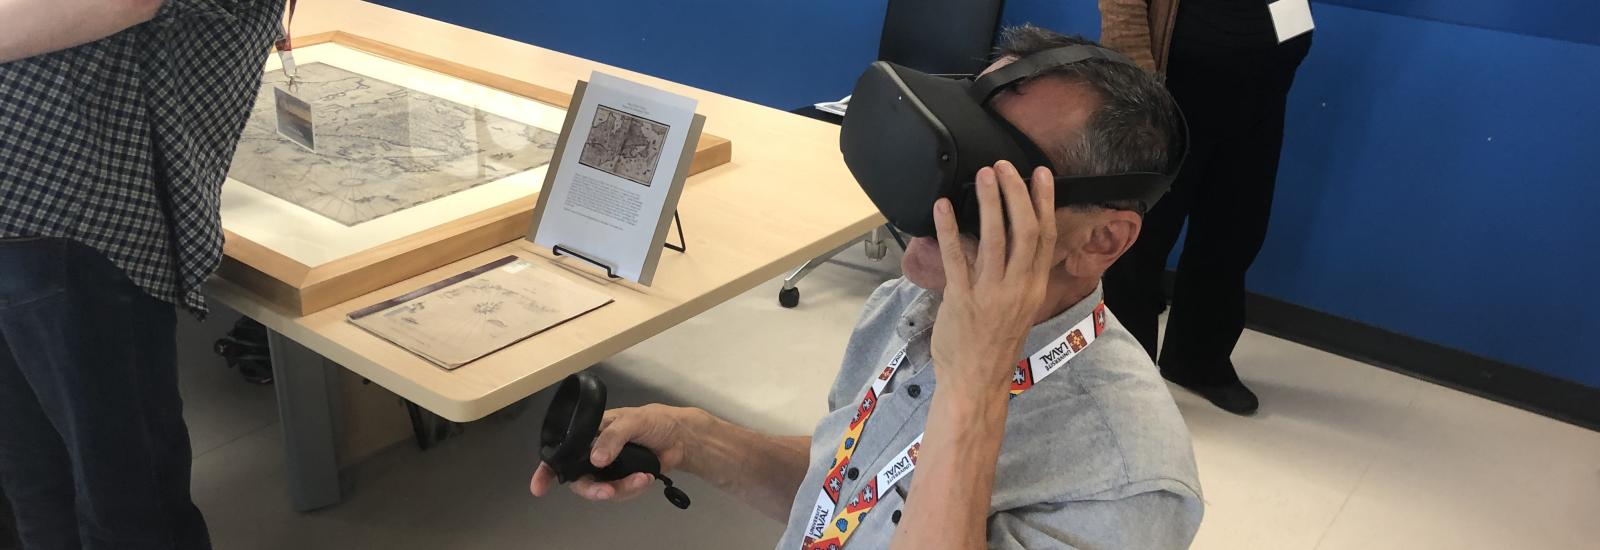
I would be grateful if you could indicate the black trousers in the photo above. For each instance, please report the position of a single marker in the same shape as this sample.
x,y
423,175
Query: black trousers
x,y
1233,93
8,526
94,453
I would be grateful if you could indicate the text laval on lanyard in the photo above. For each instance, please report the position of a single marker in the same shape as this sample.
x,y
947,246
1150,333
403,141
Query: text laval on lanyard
x,y
828,530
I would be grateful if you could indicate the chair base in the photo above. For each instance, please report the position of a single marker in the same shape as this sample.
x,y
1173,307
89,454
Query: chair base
x,y
876,247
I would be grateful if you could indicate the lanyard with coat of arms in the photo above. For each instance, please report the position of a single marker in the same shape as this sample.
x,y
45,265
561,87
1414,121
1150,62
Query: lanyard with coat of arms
x,y
829,531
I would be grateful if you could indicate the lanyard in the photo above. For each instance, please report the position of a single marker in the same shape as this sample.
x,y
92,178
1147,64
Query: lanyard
x,y
823,534
285,46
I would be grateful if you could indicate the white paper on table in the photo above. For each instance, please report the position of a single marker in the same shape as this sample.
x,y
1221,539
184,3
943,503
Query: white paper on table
x,y
463,318
836,107
1291,18
610,192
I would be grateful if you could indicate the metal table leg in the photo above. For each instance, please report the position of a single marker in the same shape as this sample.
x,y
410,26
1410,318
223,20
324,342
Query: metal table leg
x,y
307,388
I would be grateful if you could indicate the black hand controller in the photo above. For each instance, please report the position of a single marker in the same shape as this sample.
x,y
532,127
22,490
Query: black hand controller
x,y
569,430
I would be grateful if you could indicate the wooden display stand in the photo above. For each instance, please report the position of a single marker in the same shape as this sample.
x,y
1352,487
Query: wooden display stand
x,y
300,289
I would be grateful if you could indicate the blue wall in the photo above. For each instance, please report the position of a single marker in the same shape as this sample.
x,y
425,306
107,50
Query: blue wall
x,y
1439,178
1571,20
776,52
1440,181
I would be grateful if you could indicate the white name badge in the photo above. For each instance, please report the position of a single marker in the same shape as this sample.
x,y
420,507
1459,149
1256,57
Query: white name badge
x,y
1291,18
295,118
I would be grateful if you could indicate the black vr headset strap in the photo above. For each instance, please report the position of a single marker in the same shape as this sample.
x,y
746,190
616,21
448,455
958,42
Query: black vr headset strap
x,y
984,88
1145,187
1035,156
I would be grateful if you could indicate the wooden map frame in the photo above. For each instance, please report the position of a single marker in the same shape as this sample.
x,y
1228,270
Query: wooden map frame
x,y
302,290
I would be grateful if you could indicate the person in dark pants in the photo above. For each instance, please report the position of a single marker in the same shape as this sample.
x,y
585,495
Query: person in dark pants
x,y
89,402
1231,76
8,527
117,124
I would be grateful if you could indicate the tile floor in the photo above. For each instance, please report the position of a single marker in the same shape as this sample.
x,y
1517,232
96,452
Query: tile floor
x,y
1342,454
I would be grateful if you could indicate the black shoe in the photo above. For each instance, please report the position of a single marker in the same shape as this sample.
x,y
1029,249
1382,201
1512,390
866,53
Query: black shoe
x,y
1230,396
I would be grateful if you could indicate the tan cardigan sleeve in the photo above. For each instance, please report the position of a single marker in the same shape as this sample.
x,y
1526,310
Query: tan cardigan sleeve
x,y
1125,27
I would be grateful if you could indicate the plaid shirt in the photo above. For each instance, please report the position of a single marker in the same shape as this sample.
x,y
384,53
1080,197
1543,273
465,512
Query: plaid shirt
x,y
123,144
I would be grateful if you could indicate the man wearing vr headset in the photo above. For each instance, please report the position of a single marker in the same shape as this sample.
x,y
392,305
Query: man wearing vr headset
x,y
1079,443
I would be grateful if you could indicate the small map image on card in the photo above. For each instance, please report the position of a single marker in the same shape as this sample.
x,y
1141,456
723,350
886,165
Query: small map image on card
x,y
624,145
379,147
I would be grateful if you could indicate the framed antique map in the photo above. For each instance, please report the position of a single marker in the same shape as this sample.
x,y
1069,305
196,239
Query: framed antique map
x,y
384,148
417,162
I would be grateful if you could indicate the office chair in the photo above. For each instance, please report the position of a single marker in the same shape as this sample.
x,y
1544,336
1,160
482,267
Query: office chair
x,y
932,36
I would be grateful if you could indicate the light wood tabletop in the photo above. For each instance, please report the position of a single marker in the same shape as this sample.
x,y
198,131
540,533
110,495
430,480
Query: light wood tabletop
x,y
785,198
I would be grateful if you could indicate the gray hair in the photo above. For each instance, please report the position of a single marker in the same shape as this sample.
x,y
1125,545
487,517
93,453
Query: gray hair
x,y
1137,127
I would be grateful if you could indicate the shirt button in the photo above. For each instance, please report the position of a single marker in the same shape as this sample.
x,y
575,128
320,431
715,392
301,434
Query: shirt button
x,y
895,518
853,473
914,391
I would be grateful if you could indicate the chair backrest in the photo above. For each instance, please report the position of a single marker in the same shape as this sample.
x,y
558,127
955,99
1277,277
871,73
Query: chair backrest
x,y
940,36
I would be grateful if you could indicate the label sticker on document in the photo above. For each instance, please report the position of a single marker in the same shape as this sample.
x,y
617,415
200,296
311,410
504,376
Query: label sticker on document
x,y
1291,18
294,119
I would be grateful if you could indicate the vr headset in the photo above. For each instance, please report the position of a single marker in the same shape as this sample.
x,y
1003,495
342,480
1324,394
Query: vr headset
x,y
910,138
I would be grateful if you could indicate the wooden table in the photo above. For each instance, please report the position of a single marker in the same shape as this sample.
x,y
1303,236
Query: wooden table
x,y
785,198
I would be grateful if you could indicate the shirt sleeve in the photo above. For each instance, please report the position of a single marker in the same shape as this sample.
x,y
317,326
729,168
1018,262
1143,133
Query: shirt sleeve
x,y
1156,520
227,9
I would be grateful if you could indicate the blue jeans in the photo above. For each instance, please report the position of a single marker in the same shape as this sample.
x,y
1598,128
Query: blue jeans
x,y
93,449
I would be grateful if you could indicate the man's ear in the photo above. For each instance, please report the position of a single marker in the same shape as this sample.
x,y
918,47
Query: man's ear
x,y
1109,236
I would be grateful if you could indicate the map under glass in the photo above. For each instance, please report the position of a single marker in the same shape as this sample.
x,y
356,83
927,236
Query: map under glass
x,y
624,145
381,148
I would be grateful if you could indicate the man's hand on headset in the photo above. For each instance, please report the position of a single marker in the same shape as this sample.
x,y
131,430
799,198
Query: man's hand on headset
x,y
992,299
990,302
660,428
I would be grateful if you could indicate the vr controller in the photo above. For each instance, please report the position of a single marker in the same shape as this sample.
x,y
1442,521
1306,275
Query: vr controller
x,y
570,427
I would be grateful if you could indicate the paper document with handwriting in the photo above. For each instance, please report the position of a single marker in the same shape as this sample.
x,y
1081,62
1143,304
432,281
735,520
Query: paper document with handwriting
x,y
463,318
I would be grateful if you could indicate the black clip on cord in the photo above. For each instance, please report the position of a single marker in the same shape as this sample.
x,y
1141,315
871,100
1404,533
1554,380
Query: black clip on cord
x,y
568,434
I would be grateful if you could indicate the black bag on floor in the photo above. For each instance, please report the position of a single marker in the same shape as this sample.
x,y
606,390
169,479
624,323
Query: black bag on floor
x,y
245,348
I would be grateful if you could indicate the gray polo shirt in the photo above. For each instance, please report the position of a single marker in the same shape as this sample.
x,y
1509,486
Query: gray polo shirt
x,y
1094,457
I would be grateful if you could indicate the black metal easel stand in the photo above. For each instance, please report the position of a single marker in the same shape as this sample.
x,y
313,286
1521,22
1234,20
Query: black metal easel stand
x,y
682,246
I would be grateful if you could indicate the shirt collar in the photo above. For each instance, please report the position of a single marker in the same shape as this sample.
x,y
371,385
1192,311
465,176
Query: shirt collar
x,y
918,317
924,309
1044,333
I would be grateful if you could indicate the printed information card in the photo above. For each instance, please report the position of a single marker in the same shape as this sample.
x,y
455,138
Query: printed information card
x,y
618,169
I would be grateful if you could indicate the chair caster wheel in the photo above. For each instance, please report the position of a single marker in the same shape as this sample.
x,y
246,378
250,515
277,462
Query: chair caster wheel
x,y
789,297
876,251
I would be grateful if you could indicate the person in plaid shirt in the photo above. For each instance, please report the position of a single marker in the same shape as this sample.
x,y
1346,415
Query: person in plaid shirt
x,y
117,123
